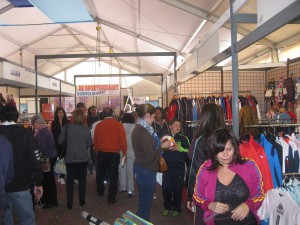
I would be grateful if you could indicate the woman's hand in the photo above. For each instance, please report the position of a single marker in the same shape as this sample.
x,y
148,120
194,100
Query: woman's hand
x,y
240,212
218,207
38,192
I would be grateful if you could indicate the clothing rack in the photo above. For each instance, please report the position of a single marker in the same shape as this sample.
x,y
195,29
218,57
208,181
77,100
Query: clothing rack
x,y
291,174
208,93
273,125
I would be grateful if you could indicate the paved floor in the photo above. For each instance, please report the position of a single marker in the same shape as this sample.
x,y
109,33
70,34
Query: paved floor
x,y
98,207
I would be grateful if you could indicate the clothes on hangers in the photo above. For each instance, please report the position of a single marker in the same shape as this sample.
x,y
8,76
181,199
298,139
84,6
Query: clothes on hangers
x,y
279,208
251,149
273,160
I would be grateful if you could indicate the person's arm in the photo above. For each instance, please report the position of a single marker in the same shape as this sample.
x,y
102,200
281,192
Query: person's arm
x,y
61,136
199,157
33,158
257,194
10,169
185,144
123,140
89,138
199,194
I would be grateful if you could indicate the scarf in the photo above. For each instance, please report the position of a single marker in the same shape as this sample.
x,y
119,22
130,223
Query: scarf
x,y
150,129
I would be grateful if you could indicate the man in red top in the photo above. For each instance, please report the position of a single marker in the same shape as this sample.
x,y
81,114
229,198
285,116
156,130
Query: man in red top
x,y
109,139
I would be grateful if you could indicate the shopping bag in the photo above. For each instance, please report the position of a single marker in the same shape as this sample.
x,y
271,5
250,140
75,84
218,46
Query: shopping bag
x,y
60,166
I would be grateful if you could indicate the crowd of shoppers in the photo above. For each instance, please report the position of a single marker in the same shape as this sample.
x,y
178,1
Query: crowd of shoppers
x,y
127,151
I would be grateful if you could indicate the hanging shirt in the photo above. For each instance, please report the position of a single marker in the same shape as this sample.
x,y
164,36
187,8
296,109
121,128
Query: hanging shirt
x,y
279,208
294,190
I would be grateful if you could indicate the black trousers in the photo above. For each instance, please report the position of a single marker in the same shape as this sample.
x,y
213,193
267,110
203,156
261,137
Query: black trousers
x,y
76,171
108,161
172,187
49,186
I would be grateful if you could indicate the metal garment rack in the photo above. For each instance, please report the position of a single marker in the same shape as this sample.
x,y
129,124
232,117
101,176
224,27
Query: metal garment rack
x,y
212,92
273,125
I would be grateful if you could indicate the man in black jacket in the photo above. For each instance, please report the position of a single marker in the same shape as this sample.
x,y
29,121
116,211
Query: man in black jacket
x,y
27,168
6,172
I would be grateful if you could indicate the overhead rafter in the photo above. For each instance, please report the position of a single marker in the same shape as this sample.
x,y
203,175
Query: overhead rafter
x,y
133,34
105,43
6,8
207,16
31,50
36,40
291,40
191,9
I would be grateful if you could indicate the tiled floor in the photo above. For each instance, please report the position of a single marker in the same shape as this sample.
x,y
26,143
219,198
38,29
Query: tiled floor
x,y
98,207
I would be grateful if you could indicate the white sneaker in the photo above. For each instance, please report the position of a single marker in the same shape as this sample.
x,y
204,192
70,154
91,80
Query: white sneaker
x,y
154,196
76,181
62,181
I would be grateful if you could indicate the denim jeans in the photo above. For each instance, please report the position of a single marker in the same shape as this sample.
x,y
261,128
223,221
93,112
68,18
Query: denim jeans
x,y
21,202
146,181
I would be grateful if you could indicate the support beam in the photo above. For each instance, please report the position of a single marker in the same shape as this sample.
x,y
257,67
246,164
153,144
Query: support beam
x,y
191,9
6,8
285,16
26,46
289,41
246,18
207,15
235,72
95,55
133,34
107,44
253,57
120,75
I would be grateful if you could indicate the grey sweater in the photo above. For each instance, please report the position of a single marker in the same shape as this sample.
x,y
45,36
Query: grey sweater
x,y
78,140
144,148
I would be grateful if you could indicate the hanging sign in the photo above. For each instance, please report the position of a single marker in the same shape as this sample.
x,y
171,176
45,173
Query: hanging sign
x,y
69,104
48,111
140,100
98,90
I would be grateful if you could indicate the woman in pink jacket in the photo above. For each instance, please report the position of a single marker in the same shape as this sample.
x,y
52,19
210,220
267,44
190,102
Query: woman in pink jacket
x,y
228,188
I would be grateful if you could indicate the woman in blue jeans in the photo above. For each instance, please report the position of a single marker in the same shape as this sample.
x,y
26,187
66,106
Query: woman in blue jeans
x,y
147,147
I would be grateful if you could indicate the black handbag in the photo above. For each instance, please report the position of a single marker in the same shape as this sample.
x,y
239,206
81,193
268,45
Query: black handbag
x,y
63,150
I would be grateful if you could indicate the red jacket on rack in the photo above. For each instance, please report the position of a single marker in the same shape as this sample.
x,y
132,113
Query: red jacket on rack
x,y
255,151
